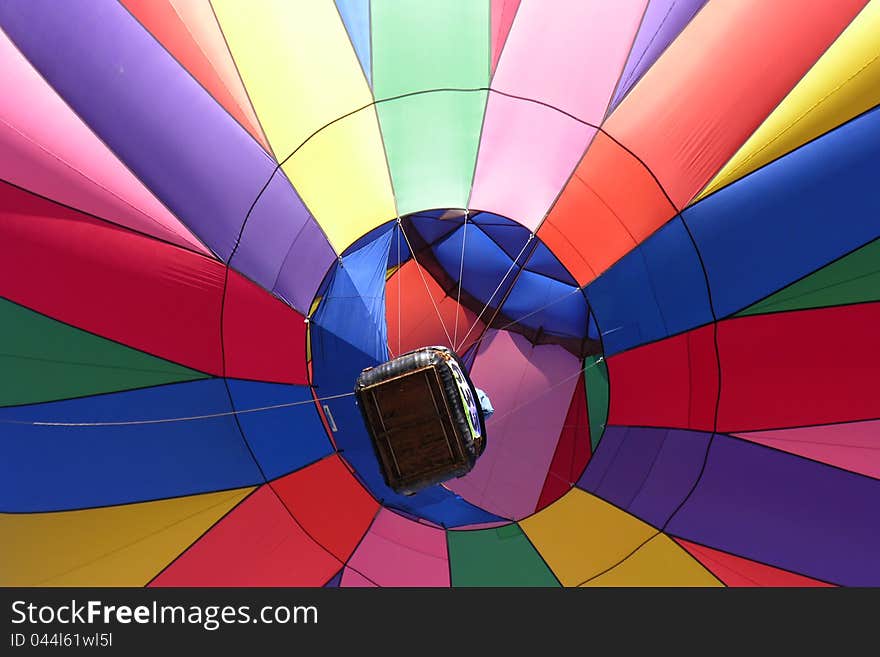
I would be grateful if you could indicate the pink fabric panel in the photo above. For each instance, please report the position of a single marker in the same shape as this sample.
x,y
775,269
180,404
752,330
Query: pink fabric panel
x,y
527,154
45,148
398,551
352,579
570,59
531,394
853,446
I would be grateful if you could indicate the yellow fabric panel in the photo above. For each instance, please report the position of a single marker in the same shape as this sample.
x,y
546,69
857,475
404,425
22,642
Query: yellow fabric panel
x,y
844,83
659,562
108,546
302,73
342,176
581,535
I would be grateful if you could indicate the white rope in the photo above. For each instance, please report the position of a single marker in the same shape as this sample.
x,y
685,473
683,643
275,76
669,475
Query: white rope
x,y
427,288
189,418
509,269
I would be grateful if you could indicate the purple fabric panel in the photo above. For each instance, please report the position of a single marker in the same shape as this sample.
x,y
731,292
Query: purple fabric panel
x,y
646,471
785,511
282,247
161,123
304,267
664,20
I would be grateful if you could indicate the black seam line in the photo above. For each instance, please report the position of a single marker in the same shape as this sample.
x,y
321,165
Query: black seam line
x,y
752,559
824,288
351,42
101,366
117,342
107,146
370,28
193,77
807,426
448,558
807,275
201,536
354,550
832,129
240,78
866,302
639,547
801,457
332,577
635,82
648,473
623,559
609,387
572,283
489,76
504,43
122,227
629,50
131,502
699,563
610,465
103,393
121,548
315,540
315,461
538,552
596,490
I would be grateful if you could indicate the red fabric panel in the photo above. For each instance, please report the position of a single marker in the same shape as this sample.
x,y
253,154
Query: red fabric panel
x,y
265,339
110,281
718,81
420,324
329,503
670,383
502,13
257,544
776,375
610,204
162,21
572,450
738,571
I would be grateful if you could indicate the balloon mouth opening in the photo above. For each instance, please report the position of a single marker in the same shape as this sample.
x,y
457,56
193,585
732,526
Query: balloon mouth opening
x,y
489,290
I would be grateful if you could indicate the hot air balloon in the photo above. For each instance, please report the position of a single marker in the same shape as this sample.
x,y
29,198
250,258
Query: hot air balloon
x,y
647,228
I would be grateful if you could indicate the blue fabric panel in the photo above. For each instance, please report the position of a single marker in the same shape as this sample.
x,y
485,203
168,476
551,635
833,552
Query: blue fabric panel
x,y
354,305
593,328
824,197
485,264
544,262
654,291
356,16
565,313
48,468
334,581
337,365
432,230
282,439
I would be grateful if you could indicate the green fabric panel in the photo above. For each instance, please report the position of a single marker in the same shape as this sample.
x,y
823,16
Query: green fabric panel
x,y
45,360
503,556
431,139
596,379
855,278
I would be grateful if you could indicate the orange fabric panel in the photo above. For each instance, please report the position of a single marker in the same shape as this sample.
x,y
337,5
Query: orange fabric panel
x,y
419,323
160,18
718,81
611,204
